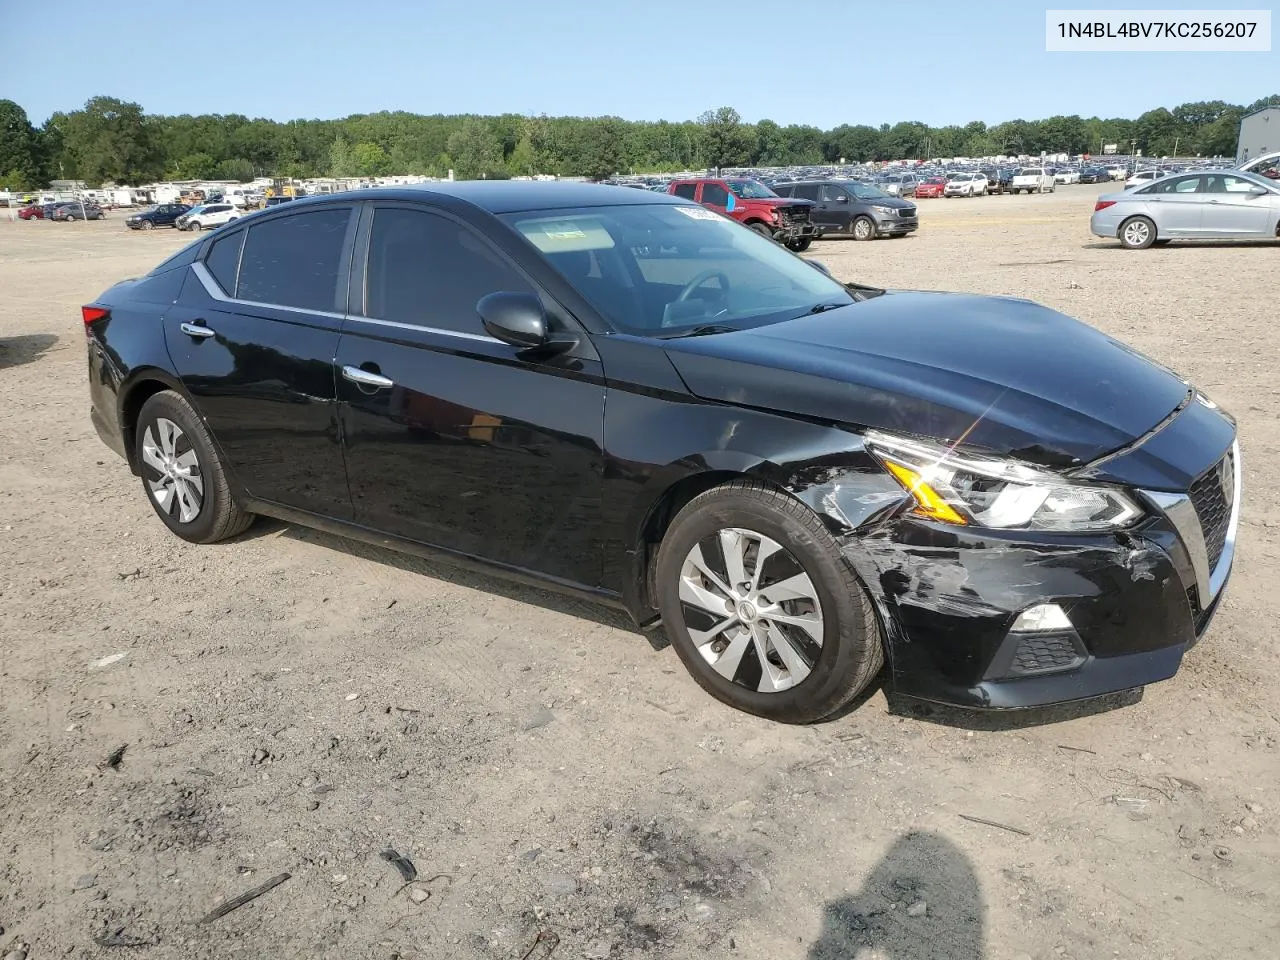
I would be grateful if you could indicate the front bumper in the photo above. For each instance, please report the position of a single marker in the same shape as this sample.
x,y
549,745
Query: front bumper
x,y
894,226
786,231
949,598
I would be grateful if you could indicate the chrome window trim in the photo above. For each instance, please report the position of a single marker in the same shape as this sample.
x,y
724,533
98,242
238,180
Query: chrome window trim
x,y
211,287
1182,514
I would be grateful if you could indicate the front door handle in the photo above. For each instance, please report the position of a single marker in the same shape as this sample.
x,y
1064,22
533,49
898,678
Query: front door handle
x,y
197,330
366,379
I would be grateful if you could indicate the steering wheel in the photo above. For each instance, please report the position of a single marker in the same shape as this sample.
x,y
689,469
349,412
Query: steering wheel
x,y
702,278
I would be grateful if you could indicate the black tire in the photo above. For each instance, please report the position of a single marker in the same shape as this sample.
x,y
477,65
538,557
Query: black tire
x,y
852,651
218,516
763,229
1137,233
148,225
863,228
800,245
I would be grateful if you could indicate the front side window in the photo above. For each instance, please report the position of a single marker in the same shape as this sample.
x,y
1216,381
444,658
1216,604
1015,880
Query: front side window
x,y
833,194
663,269
294,261
715,195
429,271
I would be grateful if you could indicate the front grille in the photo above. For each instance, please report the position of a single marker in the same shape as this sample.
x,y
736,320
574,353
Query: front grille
x,y
1211,494
906,213
1045,653
794,214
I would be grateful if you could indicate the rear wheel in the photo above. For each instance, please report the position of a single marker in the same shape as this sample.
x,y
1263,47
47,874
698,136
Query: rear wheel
x,y
862,228
181,473
800,245
1137,233
761,607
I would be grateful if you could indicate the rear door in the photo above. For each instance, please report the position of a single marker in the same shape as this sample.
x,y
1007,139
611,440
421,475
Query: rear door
x,y
454,438
253,337
1230,210
833,210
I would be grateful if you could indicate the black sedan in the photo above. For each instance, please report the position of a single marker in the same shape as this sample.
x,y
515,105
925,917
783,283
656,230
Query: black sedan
x,y
631,398
162,215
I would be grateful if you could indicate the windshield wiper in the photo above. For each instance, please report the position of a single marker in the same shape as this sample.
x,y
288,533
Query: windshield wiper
x,y
703,330
819,308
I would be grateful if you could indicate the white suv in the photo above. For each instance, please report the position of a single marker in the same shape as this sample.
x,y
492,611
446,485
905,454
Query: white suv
x,y
208,216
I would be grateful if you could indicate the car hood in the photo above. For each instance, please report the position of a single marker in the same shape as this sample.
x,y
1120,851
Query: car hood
x,y
1004,374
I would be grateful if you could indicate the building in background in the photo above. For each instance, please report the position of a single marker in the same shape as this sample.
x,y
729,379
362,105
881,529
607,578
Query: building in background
x,y
1259,134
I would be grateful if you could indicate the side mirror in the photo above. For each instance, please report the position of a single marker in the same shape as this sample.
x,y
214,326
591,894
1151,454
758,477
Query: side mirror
x,y
515,318
1257,192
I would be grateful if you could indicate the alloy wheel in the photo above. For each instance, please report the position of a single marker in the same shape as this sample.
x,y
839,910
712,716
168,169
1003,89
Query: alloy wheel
x,y
173,470
751,610
861,229
1136,233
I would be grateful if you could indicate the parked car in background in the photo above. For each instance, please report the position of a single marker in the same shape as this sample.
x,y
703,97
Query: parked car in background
x,y
802,480
277,200
930,187
1066,175
32,211
899,184
992,175
1143,177
207,216
753,205
77,210
965,185
1118,172
163,215
1267,165
1004,177
1094,175
1216,205
854,209
1032,180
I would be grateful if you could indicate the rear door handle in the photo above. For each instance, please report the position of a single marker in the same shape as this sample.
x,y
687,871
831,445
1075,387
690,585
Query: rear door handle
x,y
366,379
197,330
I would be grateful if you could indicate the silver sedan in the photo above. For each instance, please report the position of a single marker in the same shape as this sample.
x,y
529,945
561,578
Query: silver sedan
x,y
1212,205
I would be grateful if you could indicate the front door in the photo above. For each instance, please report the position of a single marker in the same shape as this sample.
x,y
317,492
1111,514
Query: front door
x,y
1230,210
715,196
1178,206
253,337
452,437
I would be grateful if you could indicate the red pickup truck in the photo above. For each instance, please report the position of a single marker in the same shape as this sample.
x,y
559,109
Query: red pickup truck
x,y
755,205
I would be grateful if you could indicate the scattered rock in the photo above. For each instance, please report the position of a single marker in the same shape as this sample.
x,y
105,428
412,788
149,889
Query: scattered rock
x,y
918,909
418,895
16,955
700,911
352,696
539,718
531,854
260,756
600,950
712,744
1249,823
559,885
86,881
1253,807
313,804
1144,756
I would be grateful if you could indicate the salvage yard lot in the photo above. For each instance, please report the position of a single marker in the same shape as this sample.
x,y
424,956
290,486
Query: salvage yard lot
x,y
292,702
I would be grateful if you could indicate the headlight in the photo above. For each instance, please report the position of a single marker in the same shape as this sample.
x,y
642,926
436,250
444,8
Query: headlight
x,y
965,489
885,211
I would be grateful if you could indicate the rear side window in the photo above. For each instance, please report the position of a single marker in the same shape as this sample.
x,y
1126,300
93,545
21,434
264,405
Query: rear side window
x,y
294,261
686,190
223,261
428,271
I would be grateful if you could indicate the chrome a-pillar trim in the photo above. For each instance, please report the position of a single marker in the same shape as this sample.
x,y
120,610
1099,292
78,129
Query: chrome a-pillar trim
x,y
1182,514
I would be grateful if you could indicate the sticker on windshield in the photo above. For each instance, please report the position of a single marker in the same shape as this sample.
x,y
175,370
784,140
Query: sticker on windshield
x,y
698,213
563,231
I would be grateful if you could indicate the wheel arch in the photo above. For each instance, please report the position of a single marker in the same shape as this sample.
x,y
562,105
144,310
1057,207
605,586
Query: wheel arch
x,y
141,386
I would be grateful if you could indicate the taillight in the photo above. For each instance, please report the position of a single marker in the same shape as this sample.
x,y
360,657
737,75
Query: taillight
x,y
1103,204
92,314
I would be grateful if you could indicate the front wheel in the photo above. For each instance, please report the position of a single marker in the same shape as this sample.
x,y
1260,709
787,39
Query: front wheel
x,y
762,608
800,245
863,229
1137,233
183,478
148,225
763,229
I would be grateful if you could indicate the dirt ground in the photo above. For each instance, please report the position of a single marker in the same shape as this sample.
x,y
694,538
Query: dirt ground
x,y
294,703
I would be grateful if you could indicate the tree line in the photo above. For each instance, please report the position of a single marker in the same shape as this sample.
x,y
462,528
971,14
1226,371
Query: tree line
x,y
110,140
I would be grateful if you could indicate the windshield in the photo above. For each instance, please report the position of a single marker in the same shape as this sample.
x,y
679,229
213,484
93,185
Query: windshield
x,y
959,176
664,269
1029,172
750,190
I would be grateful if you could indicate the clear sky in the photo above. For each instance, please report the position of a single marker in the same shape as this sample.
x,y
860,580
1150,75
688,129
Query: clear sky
x,y
847,61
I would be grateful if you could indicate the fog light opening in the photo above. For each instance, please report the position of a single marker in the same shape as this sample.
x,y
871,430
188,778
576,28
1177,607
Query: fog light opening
x,y
1040,618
